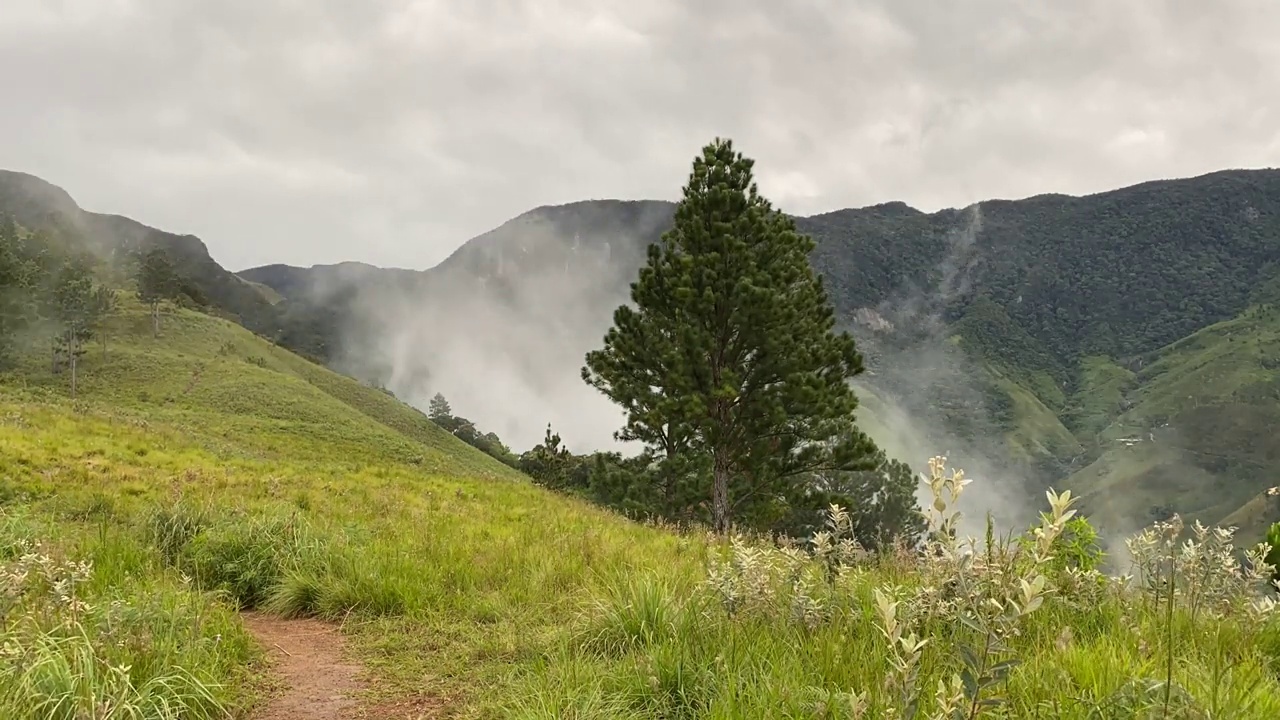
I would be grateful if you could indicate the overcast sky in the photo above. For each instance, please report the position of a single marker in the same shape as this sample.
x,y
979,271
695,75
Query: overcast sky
x,y
390,131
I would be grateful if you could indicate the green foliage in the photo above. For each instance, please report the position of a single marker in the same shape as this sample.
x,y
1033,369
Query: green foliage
x,y
454,579
48,292
1027,288
110,633
489,443
157,281
549,463
246,557
439,410
881,504
1189,429
1077,547
15,288
106,303
1273,553
821,630
729,352
987,331
1117,273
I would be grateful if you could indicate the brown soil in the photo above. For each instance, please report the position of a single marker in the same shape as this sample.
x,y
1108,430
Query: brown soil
x,y
315,682
308,657
422,707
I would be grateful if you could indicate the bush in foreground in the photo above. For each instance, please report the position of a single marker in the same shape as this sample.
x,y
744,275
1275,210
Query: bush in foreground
x,y
1020,628
75,646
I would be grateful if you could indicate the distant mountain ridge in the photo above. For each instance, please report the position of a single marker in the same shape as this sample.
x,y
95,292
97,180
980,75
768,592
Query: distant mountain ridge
x,y
39,205
1022,328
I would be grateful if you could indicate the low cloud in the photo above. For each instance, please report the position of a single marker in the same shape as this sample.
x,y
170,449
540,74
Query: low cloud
x,y
502,329
389,131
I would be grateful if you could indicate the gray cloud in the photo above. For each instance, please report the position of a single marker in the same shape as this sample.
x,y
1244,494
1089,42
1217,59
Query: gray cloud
x,y
392,130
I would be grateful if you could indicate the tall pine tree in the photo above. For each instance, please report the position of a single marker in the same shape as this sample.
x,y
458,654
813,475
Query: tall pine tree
x,y
729,356
15,294
76,308
106,302
157,282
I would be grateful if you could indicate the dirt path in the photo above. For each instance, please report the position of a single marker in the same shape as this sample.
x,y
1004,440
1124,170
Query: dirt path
x,y
318,683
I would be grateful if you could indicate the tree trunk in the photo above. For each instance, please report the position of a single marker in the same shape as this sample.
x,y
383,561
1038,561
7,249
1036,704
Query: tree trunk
x,y
155,319
720,493
71,352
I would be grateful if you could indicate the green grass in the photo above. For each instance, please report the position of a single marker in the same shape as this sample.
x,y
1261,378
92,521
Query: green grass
x,y
309,493
1100,397
449,580
211,378
1036,431
1203,411
206,471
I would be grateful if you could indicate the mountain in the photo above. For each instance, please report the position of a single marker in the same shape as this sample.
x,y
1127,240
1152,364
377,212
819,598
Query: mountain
x,y
40,206
211,505
1028,338
1034,341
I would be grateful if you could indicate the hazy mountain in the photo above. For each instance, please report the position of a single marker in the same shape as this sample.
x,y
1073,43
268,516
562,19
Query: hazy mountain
x,y
987,329
39,205
1124,343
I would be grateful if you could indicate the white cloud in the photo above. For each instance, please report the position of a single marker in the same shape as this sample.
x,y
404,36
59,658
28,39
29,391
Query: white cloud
x,y
392,130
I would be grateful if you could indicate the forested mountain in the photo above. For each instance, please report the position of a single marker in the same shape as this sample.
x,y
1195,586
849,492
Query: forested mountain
x,y
39,206
1029,338
1124,343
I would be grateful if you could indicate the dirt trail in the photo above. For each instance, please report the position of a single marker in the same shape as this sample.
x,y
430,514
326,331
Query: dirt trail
x,y
318,684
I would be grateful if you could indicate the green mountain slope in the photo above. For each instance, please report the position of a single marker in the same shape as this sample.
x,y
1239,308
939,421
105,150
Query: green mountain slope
x,y
217,381
1018,336
1194,428
40,206
989,329
206,472
208,459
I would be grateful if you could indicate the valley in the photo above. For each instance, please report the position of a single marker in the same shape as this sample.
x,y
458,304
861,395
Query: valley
x,y
262,449
1025,338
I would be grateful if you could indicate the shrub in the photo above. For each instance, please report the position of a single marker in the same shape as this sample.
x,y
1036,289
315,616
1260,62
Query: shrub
x,y
1025,626
155,652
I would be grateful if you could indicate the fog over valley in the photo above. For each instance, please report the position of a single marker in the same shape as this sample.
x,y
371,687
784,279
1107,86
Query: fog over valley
x,y
406,359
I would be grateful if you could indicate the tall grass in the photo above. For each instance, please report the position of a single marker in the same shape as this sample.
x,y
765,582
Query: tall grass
x,y
137,646
1001,629
509,601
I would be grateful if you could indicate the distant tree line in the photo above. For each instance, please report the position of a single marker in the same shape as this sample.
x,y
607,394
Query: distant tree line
x,y
441,413
51,295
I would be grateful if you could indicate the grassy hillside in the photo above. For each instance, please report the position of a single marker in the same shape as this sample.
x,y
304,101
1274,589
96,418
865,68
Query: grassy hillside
x,y
228,386
1052,299
206,471
297,486
1193,427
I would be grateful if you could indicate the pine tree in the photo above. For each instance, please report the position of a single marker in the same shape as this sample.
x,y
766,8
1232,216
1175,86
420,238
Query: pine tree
x,y
75,307
106,302
157,282
548,463
730,351
15,295
439,411
881,503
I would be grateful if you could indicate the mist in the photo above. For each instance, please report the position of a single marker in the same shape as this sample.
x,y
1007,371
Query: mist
x,y
920,389
502,327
